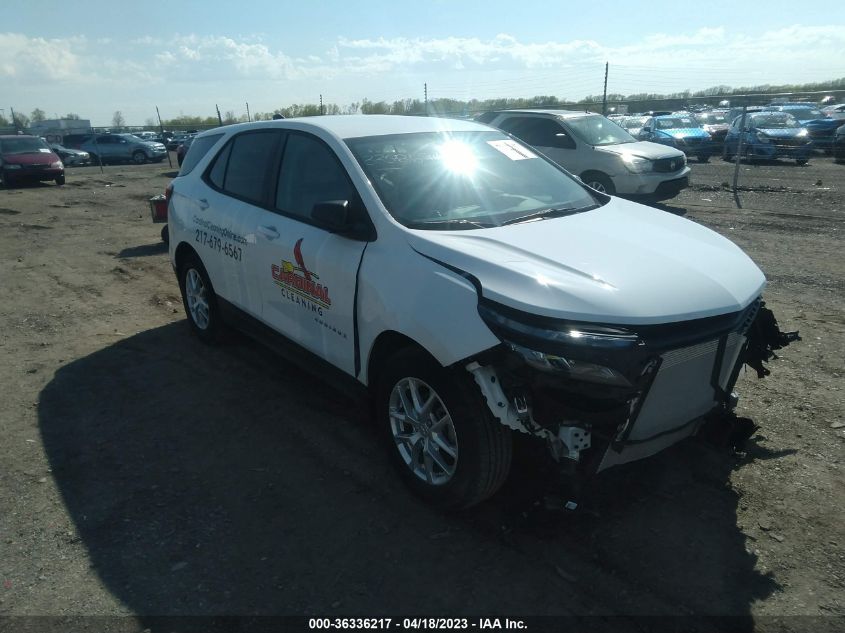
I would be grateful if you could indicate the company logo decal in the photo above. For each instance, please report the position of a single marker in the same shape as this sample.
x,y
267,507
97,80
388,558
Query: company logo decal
x,y
300,284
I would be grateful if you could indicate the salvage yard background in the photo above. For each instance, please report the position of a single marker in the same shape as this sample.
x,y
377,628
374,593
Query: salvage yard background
x,y
146,473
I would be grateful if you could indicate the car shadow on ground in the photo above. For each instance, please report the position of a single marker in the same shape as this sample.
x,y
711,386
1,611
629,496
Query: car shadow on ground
x,y
221,480
144,250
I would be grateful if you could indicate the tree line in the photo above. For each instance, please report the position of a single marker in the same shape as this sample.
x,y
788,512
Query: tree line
x,y
436,106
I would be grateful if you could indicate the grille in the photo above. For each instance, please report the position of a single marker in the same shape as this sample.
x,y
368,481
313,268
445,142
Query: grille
x,y
682,390
668,164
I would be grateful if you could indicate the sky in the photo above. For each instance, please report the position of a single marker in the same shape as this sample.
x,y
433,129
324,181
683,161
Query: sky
x,y
93,58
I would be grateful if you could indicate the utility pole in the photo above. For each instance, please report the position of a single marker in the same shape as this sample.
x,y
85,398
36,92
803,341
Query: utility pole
x,y
604,98
161,128
321,105
425,91
219,118
14,120
248,118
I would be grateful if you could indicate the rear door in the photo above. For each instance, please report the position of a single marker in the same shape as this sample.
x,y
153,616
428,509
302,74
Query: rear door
x,y
236,191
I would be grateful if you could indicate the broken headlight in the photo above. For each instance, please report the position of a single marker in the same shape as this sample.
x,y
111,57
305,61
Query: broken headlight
x,y
574,369
580,350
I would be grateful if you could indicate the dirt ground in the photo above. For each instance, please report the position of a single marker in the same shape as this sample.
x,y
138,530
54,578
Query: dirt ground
x,y
144,473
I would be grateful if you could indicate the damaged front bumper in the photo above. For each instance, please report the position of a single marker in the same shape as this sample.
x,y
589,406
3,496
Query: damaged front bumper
x,y
601,396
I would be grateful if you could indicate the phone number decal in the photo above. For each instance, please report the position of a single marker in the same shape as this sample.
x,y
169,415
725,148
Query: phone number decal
x,y
214,243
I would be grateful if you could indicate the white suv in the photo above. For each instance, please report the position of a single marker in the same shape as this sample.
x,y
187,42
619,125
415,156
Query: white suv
x,y
469,287
603,154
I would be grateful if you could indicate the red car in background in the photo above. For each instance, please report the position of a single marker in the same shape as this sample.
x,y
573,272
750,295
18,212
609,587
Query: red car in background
x,y
28,158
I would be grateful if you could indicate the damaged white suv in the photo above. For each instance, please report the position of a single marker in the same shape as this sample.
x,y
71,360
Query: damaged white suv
x,y
468,286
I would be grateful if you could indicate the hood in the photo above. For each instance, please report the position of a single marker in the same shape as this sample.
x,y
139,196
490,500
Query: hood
x,y
644,149
788,132
623,263
30,158
686,132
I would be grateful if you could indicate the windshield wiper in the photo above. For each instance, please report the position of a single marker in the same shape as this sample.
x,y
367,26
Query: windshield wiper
x,y
548,213
445,224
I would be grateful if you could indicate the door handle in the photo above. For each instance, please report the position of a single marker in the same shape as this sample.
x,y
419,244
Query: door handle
x,y
203,203
269,232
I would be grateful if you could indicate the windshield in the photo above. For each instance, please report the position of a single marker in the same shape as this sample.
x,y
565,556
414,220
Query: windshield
x,y
132,138
464,180
597,130
772,121
805,114
709,118
675,123
23,145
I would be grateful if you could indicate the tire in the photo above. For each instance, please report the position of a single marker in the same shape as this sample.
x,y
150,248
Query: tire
x,y
704,158
60,180
95,160
165,235
199,300
461,454
801,161
139,157
599,181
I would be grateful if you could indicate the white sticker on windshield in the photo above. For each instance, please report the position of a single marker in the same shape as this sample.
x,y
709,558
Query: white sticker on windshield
x,y
45,150
512,149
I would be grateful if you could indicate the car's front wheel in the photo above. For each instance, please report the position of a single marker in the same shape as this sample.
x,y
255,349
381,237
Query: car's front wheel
x,y
599,181
60,180
443,439
199,299
139,157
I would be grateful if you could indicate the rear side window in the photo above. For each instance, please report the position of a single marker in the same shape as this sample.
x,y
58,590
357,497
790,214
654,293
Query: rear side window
x,y
241,168
198,149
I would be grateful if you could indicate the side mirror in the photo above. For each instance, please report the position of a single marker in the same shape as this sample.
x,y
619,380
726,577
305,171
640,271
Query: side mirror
x,y
337,216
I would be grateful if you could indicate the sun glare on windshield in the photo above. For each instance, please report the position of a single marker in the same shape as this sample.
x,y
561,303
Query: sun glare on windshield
x,y
458,158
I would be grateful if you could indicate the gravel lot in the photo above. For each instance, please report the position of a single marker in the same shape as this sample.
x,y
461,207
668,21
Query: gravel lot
x,y
144,473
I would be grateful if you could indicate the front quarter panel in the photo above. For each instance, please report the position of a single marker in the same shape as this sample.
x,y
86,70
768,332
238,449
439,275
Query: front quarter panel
x,y
402,291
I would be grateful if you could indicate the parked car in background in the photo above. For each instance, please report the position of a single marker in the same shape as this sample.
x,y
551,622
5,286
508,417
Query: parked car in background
x,y
145,136
24,157
73,141
715,123
71,157
803,112
680,131
633,124
113,148
735,112
183,148
769,135
834,111
468,290
597,150
839,144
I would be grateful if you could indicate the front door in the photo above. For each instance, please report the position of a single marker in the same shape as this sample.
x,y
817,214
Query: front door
x,y
306,274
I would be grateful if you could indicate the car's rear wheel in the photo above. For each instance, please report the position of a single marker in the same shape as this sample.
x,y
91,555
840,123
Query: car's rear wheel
x,y
139,157
442,438
199,299
599,181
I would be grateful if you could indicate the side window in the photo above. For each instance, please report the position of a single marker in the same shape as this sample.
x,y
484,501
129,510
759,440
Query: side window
x,y
538,131
250,156
217,174
310,173
199,148
104,140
